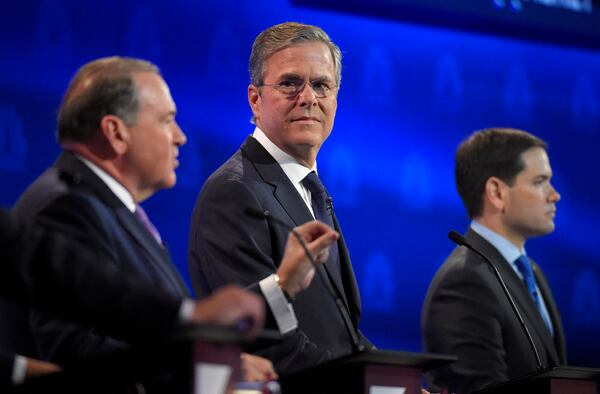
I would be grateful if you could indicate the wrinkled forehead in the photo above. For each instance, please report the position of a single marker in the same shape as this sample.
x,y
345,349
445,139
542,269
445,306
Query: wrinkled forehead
x,y
310,57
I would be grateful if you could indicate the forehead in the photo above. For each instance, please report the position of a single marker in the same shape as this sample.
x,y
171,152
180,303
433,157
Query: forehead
x,y
536,162
152,91
306,58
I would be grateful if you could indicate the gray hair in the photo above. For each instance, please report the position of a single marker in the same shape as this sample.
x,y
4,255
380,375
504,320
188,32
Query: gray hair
x,y
282,36
102,87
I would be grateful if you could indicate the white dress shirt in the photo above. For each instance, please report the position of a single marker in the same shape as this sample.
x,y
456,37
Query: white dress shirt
x,y
295,171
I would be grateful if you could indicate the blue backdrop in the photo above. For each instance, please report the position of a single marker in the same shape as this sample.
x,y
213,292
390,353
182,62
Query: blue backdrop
x,y
410,94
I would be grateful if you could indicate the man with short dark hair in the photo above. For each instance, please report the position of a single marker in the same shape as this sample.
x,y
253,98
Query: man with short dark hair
x,y
503,177
295,72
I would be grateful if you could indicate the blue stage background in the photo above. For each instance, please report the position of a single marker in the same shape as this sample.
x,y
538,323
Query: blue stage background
x,y
410,94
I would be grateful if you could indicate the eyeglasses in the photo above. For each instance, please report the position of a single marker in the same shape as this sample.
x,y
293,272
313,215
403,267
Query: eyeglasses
x,y
293,87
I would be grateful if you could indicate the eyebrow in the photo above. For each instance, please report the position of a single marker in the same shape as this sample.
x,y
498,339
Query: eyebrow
x,y
543,177
322,78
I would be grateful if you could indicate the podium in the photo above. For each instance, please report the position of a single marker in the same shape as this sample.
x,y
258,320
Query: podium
x,y
214,354
369,372
197,359
554,380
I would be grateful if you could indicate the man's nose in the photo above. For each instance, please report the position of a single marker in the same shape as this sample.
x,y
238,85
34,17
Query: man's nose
x,y
306,95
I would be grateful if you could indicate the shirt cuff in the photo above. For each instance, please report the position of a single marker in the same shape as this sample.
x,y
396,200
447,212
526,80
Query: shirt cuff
x,y
19,370
281,309
186,310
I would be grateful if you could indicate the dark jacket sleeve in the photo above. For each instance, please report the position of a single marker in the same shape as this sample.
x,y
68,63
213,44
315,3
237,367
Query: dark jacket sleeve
x,y
6,367
461,317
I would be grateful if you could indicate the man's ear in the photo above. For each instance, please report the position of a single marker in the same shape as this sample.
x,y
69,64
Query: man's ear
x,y
496,192
254,100
116,133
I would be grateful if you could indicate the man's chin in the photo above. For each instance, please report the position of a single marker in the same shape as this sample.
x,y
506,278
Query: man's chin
x,y
543,230
170,182
307,137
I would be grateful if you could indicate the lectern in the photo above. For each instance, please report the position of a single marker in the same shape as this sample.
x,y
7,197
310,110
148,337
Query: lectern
x,y
215,359
555,380
369,372
198,360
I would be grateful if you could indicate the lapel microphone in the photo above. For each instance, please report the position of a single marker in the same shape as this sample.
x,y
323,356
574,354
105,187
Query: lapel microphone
x,y
256,213
329,204
458,239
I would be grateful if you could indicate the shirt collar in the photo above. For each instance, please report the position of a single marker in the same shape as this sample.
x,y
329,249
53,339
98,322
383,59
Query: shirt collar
x,y
295,171
507,249
118,189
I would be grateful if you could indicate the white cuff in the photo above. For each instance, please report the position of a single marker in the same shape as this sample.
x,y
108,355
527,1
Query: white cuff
x,y
281,309
19,370
186,310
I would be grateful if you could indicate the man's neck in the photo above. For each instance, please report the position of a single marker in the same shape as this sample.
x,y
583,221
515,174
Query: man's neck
x,y
496,226
108,163
303,154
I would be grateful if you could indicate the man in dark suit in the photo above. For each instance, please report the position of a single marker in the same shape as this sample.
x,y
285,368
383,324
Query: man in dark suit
x,y
37,268
503,177
295,72
120,143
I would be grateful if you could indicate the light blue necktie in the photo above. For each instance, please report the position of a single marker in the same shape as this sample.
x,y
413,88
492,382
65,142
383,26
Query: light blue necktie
x,y
526,270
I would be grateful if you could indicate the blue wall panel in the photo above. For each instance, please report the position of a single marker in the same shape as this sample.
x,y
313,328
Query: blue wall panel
x,y
409,95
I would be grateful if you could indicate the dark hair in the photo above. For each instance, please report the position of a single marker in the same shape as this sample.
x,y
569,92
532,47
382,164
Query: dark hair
x,y
102,87
487,153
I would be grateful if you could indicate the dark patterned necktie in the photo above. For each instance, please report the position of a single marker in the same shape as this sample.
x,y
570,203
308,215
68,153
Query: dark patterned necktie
x,y
323,210
319,198
143,218
524,266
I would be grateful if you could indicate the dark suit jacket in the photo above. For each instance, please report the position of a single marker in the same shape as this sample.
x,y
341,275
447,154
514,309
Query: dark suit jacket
x,y
37,268
6,366
467,314
70,198
229,246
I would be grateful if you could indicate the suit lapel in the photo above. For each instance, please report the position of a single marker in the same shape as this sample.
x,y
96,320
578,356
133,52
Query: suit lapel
x,y
283,190
154,253
289,199
71,167
348,277
519,292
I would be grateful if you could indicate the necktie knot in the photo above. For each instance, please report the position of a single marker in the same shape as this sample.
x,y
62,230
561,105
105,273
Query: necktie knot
x,y
525,269
313,183
145,220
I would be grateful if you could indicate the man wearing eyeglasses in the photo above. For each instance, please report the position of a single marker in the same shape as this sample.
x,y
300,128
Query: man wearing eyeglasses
x,y
295,72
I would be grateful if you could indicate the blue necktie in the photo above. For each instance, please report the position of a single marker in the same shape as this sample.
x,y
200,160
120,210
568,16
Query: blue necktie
x,y
526,270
